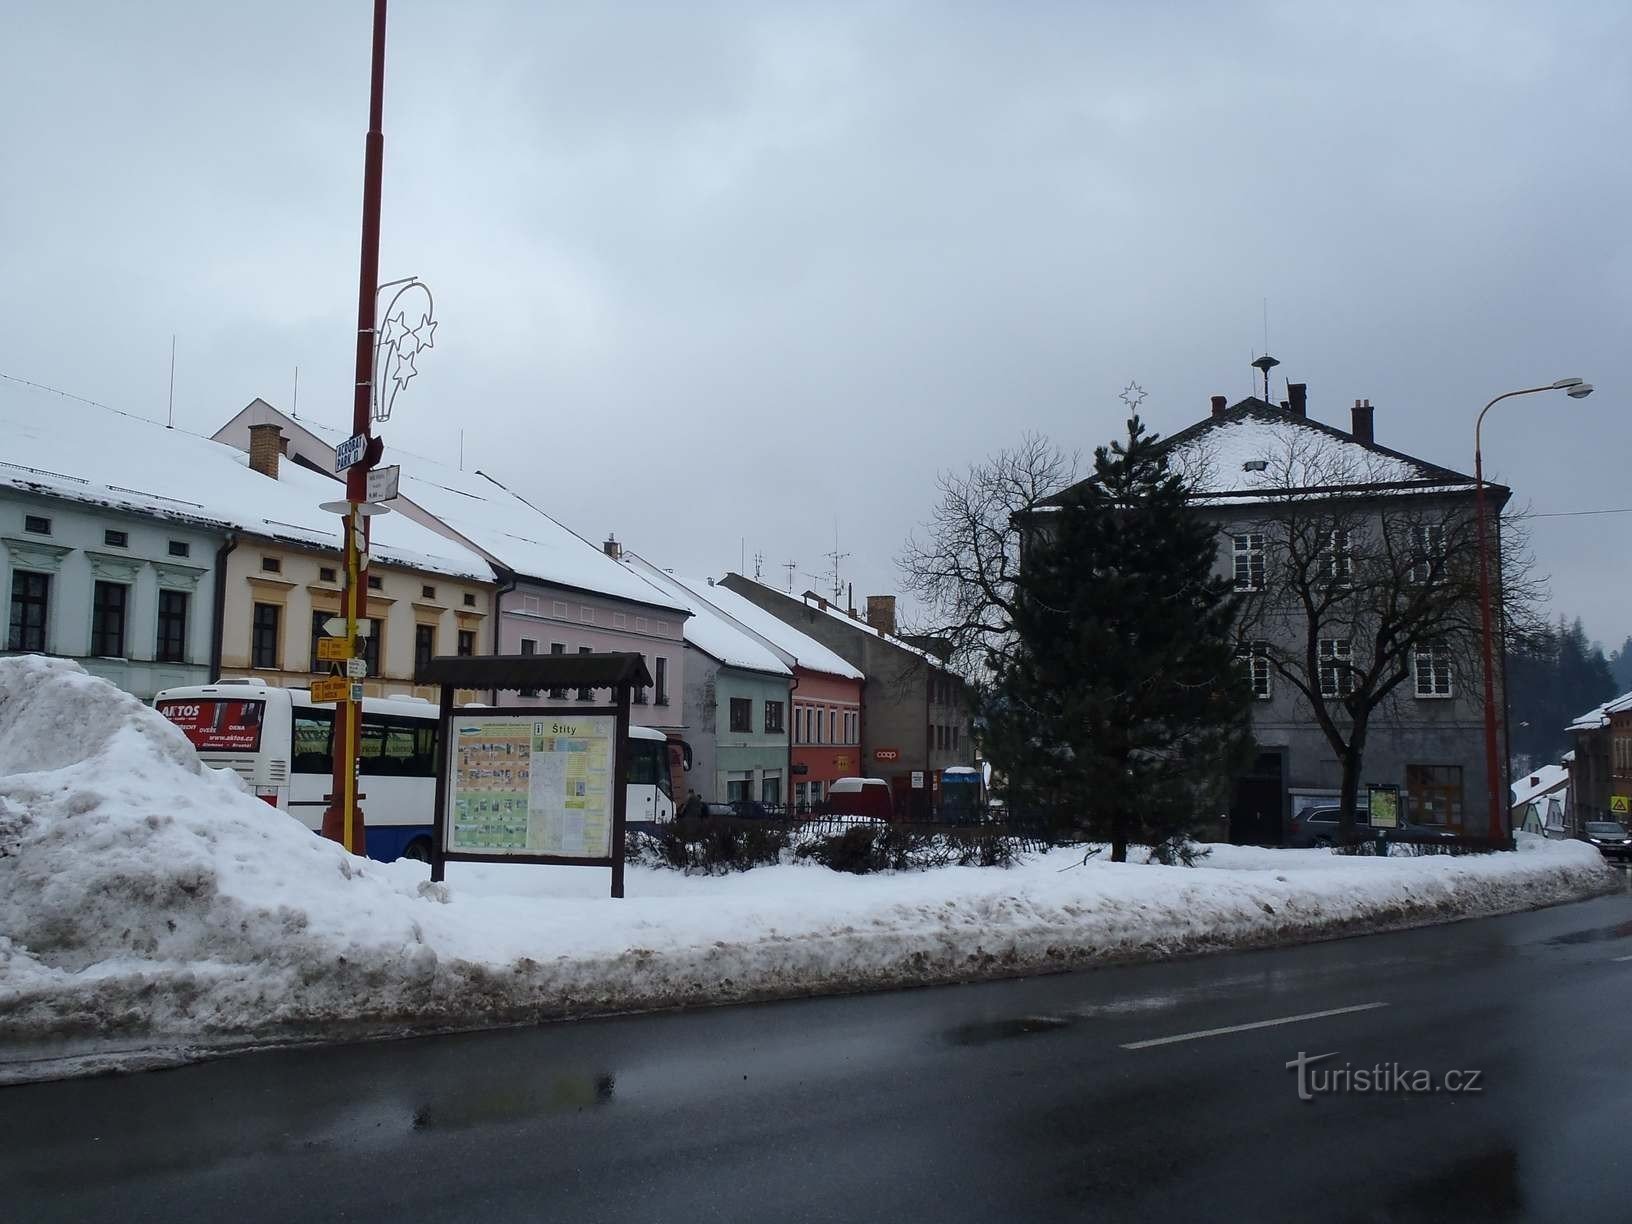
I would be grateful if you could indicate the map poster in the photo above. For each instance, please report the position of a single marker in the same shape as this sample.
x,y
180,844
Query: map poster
x,y
531,785
1383,803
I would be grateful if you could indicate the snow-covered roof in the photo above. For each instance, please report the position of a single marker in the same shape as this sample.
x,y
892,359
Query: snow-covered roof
x,y
709,629
1595,718
806,650
1539,782
509,529
66,447
814,603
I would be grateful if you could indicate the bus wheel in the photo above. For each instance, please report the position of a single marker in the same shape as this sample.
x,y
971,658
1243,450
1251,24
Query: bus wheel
x,y
419,850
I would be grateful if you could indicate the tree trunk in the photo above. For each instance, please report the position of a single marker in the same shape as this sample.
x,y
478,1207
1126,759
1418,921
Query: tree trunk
x,y
1349,797
1119,838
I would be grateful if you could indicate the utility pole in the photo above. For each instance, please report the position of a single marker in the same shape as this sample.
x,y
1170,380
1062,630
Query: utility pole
x,y
342,821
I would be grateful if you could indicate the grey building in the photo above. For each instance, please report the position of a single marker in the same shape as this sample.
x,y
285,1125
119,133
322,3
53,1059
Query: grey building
x,y
1376,526
914,714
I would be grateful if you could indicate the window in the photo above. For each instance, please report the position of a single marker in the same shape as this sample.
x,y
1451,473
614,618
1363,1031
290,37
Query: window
x,y
30,600
773,718
810,724
586,614
956,732
180,548
850,722
832,726
37,523
529,647
172,643
470,600
619,620
373,645
1433,668
1336,667
424,645
318,634
585,694
314,740
739,784
558,648
1254,660
427,591
770,788
108,620
662,681
1427,552
742,714
263,642
1336,559
397,747
641,625
467,642
558,608
325,573
272,565
375,583
1433,794
1249,561
816,724
116,539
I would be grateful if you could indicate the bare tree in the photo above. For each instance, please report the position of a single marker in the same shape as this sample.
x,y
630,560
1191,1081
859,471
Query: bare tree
x,y
963,562
1355,586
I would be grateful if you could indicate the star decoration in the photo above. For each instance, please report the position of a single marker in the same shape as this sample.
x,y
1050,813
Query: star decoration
x,y
427,326
395,328
405,360
1132,395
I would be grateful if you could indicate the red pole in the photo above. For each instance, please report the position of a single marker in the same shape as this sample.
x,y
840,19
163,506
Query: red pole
x,y
341,820
1493,779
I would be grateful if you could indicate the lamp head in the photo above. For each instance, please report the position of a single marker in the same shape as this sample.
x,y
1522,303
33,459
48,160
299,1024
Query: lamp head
x,y
1565,383
1580,391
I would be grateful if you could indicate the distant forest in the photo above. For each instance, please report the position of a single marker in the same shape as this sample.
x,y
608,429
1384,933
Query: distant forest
x,y
1553,678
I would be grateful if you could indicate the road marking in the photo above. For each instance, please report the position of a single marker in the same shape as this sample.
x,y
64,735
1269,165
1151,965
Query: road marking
x,y
1256,1024
1621,958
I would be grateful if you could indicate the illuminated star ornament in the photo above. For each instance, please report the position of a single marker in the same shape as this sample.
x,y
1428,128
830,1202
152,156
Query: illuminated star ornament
x,y
398,345
1132,395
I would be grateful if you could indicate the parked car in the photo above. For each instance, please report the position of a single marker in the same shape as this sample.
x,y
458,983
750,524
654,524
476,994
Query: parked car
x,y
1317,826
865,797
1611,838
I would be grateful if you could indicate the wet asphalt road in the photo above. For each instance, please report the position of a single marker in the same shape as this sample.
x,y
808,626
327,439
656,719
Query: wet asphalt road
x,y
999,1101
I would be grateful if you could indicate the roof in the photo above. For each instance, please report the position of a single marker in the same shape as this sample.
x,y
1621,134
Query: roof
x,y
61,446
536,671
807,652
515,534
1598,717
816,605
1299,453
1539,782
710,630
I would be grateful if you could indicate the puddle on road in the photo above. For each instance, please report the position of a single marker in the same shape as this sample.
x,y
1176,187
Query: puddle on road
x,y
1595,935
562,1094
987,1031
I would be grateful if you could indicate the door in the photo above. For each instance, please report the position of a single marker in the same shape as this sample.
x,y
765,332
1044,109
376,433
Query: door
x,y
1260,803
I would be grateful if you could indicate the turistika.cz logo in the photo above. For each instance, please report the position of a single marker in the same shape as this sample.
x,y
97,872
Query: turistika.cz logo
x,y
1388,1078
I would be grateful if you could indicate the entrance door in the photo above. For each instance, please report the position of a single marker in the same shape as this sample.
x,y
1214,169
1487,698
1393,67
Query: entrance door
x,y
1260,801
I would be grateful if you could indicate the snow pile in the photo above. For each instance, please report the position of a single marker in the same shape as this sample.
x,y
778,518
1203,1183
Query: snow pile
x,y
144,895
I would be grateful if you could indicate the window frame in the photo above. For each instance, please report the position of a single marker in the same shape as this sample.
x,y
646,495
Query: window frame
x,y
773,725
102,609
258,632
424,644
1438,655
1255,654
1247,558
19,632
1427,553
169,636
660,667
1336,557
1335,660
743,706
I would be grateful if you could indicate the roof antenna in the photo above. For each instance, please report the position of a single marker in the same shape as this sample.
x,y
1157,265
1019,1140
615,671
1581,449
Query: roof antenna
x,y
790,566
461,450
759,563
294,406
1266,363
170,412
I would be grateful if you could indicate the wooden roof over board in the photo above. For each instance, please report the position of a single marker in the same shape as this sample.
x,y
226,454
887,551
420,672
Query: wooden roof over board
x,y
536,671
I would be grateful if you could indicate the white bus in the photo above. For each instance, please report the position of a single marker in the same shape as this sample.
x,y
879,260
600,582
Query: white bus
x,y
279,742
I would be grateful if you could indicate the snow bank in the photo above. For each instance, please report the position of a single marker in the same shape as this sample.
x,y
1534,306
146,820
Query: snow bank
x,y
146,897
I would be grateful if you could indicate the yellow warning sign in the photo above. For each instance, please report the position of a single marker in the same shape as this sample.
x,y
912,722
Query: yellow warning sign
x,y
1621,804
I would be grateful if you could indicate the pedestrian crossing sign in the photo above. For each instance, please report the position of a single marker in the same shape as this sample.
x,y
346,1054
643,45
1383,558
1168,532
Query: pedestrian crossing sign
x,y
1620,804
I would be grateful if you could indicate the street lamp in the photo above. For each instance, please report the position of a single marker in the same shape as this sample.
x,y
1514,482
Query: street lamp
x,y
1575,388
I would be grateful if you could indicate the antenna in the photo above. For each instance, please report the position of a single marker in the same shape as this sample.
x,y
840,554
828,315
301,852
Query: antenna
x,y
742,554
461,450
759,563
835,557
1266,325
170,412
294,406
790,566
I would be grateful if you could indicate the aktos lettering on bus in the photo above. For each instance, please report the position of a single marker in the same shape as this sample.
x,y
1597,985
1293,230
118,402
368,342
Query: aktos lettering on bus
x,y
217,726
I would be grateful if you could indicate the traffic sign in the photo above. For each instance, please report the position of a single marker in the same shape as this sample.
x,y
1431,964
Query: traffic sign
x,y
1619,804
382,483
331,688
334,649
335,626
350,452
356,669
917,779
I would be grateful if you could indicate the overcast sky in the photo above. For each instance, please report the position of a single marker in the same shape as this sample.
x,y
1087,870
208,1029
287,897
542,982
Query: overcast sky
x,y
715,273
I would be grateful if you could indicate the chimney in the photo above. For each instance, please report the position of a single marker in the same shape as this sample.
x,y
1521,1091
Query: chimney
x,y
1219,404
1362,430
265,445
1300,397
612,548
881,613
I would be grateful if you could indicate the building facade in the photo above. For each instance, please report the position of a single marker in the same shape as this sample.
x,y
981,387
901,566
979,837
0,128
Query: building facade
x,y
825,735
914,719
130,597
1600,765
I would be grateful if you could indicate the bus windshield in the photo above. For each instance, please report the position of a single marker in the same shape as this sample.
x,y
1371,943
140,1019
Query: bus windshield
x,y
649,765
217,724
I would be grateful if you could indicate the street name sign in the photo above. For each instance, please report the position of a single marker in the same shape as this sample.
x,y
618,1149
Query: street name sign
x,y
356,669
350,452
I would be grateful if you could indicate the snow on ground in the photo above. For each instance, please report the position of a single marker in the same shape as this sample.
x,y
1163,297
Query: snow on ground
x,y
144,895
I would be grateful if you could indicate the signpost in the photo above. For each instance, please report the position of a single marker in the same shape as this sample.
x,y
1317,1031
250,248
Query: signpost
x,y
1620,805
333,649
383,482
350,452
331,688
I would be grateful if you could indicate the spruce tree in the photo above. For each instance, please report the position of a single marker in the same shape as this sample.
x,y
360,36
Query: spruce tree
x,y
1121,701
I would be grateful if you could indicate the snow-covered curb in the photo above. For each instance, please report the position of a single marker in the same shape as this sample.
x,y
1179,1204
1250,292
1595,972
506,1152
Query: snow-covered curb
x,y
144,898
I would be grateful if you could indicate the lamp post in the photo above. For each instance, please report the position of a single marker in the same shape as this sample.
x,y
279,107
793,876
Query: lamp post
x,y
1575,388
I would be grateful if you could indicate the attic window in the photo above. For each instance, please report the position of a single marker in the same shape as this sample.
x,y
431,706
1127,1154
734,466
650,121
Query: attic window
x,y
375,584
272,565
1255,465
470,600
116,539
325,573
180,548
37,523
427,591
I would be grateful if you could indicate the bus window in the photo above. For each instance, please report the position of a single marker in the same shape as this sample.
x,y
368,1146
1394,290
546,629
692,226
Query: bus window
x,y
398,747
649,765
314,734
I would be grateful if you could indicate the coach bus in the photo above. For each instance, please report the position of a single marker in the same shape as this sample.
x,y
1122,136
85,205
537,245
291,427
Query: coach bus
x,y
279,742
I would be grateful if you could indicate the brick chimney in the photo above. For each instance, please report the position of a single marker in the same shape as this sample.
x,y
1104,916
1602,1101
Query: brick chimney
x,y
1299,393
881,613
1219,404
612,548
265,445
1362,429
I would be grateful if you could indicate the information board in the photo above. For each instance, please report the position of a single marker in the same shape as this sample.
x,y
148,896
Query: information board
x,y
531,785
1383,806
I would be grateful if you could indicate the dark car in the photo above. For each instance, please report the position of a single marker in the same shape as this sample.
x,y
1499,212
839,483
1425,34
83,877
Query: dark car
x,y
1317,826
1611,838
